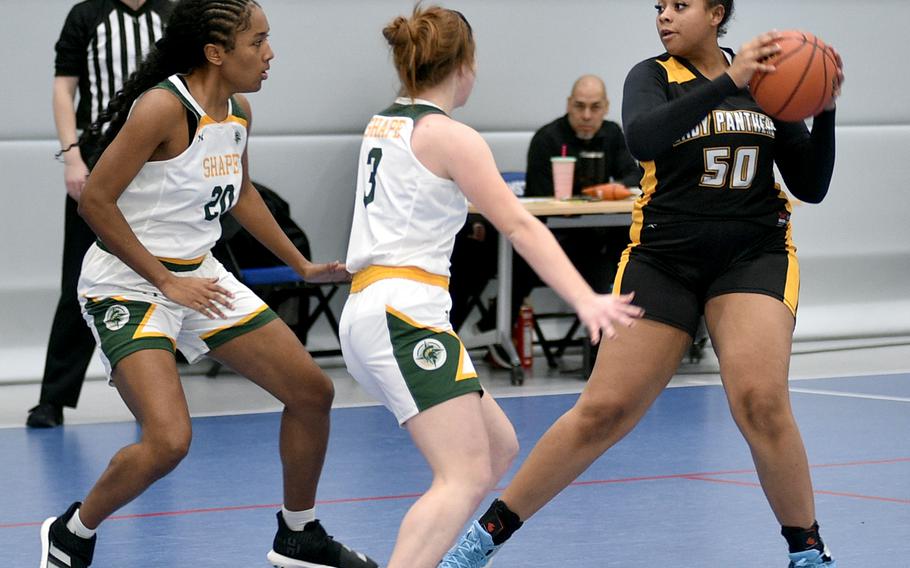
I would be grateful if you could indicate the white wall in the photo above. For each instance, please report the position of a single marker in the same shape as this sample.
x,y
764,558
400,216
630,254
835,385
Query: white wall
x,y
332,71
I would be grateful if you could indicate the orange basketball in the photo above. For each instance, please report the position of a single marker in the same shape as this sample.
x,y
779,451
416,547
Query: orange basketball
x,y
803,83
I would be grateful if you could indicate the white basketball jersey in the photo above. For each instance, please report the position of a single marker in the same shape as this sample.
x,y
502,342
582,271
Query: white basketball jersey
x,y
404,214
173,206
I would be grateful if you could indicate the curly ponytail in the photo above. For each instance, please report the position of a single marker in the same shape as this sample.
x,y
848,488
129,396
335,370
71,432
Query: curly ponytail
x,y
192,25
428,46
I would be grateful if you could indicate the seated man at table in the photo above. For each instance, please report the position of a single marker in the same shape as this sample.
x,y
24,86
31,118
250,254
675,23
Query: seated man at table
x,y
602,156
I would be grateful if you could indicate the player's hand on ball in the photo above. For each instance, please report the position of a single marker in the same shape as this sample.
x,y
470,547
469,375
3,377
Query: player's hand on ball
x,y
838,81
753,56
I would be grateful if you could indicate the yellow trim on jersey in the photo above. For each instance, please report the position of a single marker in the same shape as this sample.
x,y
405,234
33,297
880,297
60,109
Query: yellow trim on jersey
x,y
460,375
676,71
374,273
241,121
239,322
648,187
182,261
207,120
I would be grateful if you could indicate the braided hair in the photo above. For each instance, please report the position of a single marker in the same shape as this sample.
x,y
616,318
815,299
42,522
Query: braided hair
x,y
191,26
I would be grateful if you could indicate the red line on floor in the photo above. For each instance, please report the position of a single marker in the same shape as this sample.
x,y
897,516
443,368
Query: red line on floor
x,y
733,472
699,476
817,491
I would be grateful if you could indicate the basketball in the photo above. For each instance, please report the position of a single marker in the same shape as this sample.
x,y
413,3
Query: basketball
x,y
803,82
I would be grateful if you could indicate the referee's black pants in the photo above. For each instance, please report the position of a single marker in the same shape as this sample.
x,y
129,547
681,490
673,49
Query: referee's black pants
x,y
71,344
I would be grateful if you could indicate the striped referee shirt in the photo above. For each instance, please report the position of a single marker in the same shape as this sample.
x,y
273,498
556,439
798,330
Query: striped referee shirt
x,y
102,43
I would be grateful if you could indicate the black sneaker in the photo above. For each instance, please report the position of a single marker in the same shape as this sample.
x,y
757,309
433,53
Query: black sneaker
x,y
62,549
45,415
312,548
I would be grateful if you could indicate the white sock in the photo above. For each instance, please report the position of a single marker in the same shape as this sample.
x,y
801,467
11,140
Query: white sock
x,y
296,520
76,527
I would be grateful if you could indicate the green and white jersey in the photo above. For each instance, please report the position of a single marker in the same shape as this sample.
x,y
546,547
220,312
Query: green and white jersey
x,y
404,214
173,205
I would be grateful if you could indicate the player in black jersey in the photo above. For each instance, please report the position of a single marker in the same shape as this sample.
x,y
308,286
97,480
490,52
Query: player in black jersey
x,y
710,234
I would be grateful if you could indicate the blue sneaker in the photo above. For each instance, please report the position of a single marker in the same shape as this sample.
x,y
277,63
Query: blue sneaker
x,y
473,550
812,559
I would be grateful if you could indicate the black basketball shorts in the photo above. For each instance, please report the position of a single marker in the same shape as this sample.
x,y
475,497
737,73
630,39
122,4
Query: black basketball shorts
x,y
675,268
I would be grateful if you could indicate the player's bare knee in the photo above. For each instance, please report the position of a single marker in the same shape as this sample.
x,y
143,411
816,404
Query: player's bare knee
x,y
477,487
310,394
322,390
169,448
472,475
760,413
329,391
598,421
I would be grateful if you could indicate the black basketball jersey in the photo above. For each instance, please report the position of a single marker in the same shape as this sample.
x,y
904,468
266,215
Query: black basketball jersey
x,y
707,149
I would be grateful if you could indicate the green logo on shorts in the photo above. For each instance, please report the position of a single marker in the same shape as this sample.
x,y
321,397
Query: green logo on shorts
x,y
429,354
116,317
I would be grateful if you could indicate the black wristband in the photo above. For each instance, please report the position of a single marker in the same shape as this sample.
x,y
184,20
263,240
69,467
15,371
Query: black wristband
x,y
67,149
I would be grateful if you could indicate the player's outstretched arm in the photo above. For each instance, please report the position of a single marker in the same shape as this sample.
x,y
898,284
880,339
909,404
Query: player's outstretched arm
x,y
252,212
472,167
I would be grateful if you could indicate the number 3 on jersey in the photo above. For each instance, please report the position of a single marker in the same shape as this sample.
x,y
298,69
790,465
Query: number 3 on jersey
x,y
375,156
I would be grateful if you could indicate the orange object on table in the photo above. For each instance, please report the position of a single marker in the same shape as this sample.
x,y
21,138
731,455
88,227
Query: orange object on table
x,y
607,191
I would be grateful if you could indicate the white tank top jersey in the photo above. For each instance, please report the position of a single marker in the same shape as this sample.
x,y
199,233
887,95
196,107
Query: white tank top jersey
x,y
173,206
404,214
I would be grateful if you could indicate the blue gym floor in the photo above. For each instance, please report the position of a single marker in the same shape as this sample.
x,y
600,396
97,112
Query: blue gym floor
x,y
678,491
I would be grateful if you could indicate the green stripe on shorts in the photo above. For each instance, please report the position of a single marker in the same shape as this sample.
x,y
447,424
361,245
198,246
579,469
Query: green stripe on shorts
x,y
227,334
118,325
172,266
428,361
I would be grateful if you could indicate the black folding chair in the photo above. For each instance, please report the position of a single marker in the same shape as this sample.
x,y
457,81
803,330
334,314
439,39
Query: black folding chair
x,y
278,284
554,349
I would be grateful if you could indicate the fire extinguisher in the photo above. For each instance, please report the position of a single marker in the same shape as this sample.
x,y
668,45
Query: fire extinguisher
x,y
523,336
